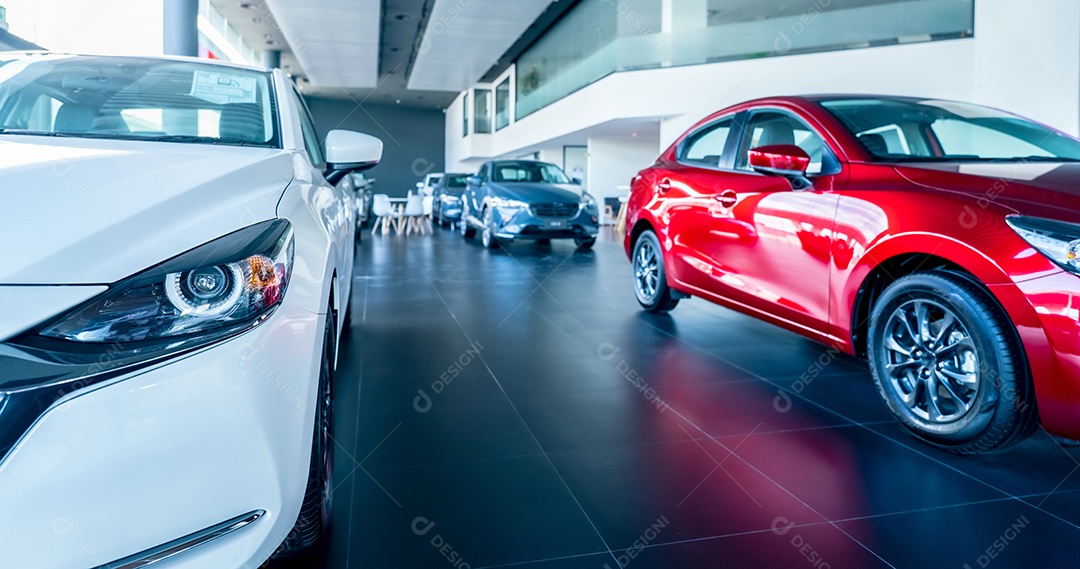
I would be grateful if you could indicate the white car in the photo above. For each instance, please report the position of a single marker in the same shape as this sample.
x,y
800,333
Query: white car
x,y
175,268
427,187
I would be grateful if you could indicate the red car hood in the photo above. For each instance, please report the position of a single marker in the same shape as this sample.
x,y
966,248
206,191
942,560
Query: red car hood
x,y
1031,188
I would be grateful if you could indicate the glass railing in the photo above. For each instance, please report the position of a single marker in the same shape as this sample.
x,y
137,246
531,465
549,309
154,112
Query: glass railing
x,y
600,37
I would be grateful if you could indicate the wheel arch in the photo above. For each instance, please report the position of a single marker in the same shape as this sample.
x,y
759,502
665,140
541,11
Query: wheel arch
x,y
905,255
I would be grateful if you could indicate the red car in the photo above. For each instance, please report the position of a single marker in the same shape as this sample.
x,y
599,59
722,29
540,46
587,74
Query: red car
x,y
938,240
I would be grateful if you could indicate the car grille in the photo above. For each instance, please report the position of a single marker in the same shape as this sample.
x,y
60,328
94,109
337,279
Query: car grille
x,y
562,209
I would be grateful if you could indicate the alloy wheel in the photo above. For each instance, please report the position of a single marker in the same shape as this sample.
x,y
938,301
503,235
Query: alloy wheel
x,y
646,271
931,362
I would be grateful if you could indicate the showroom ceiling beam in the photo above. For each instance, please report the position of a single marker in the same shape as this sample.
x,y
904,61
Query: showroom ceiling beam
x,y
464,38
336,41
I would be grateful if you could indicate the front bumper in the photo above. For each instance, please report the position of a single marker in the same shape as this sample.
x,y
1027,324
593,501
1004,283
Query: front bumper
x,y
143,459
1046,312
524,224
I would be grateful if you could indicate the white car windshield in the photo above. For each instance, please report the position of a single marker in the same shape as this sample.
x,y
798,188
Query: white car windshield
x,y
136,99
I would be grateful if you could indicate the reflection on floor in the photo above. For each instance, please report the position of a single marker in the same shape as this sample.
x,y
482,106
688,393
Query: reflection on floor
x,y
516,408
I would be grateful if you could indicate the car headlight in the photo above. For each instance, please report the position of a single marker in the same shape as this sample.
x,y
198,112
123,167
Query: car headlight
x,y
227,284
587,201
1057,240
508,208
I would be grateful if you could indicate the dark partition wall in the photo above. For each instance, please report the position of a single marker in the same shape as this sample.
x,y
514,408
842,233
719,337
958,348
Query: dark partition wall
x,y
414,140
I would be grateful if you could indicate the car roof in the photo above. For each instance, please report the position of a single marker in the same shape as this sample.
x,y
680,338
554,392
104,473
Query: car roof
x,y
178,58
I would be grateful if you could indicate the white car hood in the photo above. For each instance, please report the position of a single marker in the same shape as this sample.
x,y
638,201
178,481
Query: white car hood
x,y
79,211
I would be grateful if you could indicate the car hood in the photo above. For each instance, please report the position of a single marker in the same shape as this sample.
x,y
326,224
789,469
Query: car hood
x,y
1031,188
78,211
532,192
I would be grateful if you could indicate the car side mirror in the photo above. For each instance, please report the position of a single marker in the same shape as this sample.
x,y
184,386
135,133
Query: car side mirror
x,y
785,160
575,181
348,151
474,180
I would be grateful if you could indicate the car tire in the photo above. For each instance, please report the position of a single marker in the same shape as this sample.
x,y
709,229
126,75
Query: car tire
x,y
949,365
584,243
463,226
487,234
650,277
313,523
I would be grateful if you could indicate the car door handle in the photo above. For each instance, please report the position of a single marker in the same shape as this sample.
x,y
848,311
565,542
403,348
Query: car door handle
x,y
727,198
664,185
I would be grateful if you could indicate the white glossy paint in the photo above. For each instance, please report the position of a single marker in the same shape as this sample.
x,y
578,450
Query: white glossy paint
x,y
347,147
127,465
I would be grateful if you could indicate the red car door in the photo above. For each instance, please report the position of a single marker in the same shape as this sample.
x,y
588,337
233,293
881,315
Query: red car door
x,y
769,245
689,190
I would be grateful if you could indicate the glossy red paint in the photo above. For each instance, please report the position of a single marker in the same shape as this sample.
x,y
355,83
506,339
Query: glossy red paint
x,y
800,258
784,159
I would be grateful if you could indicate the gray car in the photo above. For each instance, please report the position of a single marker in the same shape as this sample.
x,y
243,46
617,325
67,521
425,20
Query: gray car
x,y
525,199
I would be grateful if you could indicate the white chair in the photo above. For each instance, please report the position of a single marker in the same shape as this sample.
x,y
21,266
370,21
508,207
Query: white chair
x,y
384,210
429,211
414,210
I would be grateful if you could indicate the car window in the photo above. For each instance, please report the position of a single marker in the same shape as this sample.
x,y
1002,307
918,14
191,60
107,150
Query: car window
x,y
528,172
770,128
311,139
916,130
706,146
456,181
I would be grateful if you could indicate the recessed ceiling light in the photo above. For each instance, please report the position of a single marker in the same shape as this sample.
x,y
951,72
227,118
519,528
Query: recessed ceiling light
x,y
398,101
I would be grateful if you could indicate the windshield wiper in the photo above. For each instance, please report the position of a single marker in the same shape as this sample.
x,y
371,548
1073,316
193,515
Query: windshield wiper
x,y
197,139
1035,159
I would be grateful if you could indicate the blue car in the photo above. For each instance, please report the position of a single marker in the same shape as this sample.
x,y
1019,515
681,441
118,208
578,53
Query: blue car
x,y
525,199
446,206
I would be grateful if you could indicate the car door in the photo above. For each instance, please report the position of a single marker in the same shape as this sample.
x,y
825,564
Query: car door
x,y
771,244
691,191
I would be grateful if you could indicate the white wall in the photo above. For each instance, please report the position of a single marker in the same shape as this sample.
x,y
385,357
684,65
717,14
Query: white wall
x,y
1027,59
613,162
121,27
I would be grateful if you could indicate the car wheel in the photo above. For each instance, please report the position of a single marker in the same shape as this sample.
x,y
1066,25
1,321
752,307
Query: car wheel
x,y
487,234
650,278
463,225
585,243
949,365
314,520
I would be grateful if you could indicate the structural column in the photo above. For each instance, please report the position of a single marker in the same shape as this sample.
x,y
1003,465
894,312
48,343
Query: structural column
x,y
271,59
181,32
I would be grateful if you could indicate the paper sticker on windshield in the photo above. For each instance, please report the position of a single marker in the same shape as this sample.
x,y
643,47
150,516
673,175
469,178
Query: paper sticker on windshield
x,y
224,88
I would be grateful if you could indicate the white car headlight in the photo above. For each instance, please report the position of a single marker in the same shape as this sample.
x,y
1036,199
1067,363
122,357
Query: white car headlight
x,y
1057,240
227,284
587,201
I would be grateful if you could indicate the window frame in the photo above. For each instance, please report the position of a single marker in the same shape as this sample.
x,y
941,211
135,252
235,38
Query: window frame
x,y
744,123
727,160
304,116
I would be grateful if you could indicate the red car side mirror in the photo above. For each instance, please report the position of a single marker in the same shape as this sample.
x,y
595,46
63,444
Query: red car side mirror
x,y
781,159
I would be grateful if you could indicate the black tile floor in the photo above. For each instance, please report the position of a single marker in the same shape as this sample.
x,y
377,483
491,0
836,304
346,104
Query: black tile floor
x,y
515,408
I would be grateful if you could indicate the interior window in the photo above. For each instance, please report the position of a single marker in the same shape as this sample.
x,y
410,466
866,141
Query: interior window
x,y
772,128
706,147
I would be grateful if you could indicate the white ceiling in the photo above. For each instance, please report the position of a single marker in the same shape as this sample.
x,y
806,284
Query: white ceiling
x,y
464,39
336,41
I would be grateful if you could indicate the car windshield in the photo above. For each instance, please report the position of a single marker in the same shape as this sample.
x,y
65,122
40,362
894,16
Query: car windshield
x,y
529,172
137,99
896,130
456,180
